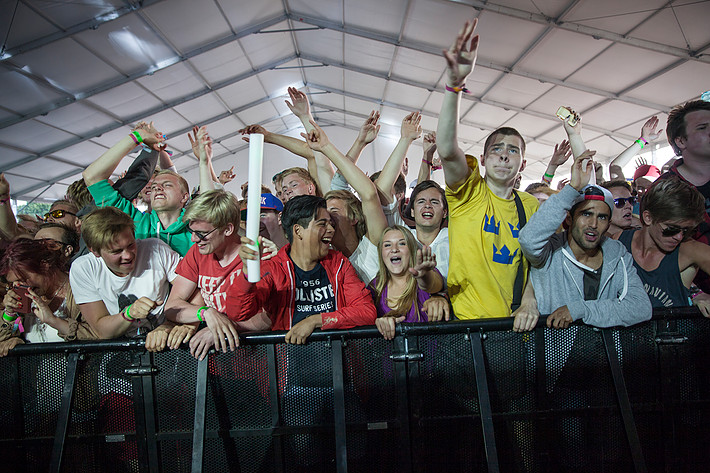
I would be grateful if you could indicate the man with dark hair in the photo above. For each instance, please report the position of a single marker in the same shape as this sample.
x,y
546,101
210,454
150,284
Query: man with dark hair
x,y
487,270
688,131
61,233
622,214
581,274
306,285
665,260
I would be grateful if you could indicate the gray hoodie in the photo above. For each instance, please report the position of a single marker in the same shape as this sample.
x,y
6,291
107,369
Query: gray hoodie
x,y
557,276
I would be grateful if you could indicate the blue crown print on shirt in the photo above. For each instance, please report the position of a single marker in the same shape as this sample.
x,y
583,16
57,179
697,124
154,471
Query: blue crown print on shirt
x,y
489,226
503,255
514,230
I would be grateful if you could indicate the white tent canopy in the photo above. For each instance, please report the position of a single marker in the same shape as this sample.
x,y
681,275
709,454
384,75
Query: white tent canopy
x,y
76,75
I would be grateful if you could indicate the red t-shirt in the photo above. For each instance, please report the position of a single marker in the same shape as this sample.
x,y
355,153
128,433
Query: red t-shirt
x,y
211,278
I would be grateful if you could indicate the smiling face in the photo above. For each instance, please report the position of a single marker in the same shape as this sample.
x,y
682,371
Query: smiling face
x,y
293,185
428,208
395,253
589,223
120,255
166,194
503,159
212,239
315,239
344,225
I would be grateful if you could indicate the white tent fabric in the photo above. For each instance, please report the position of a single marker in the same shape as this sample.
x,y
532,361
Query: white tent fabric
x,y
75,75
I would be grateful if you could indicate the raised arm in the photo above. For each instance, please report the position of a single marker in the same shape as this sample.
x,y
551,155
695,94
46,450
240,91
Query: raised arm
x,y
103,167
574,135
8,222
300,107
374,216
424,272
367,134
410,131
202,147
648,135
460,59
560,156
429,146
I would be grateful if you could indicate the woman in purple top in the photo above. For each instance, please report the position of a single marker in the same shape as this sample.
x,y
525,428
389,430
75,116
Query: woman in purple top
x,y
405,281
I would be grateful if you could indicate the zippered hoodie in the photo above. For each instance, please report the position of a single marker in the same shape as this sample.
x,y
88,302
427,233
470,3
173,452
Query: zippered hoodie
x,y
557,276
148,225
276,293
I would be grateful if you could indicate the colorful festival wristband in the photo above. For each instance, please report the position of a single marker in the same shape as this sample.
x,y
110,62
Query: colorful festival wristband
x,y
137,138
126,314
641,143
456,90
9,318
199,313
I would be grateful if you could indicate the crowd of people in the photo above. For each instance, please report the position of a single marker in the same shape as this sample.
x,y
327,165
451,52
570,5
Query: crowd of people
x,y
145,255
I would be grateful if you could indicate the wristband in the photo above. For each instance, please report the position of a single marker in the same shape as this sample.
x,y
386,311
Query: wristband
x,y
644,141
126,314
199,313
640,143
428,162
692,297
9,318
549,175
137,138
458,89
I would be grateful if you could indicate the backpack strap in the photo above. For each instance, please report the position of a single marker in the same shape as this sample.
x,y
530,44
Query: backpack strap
x,y
520,276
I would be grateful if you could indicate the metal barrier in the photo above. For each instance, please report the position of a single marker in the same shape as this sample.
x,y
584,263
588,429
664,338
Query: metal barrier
x,y
465,396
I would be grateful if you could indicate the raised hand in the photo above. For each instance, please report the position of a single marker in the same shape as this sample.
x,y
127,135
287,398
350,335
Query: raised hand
x,y
562,153
429,145
204,144
4,185
151,136
562,184
426,261
648,130
227,176
316,138
299,103
369,130
411,128
252,129
641,161
575,129
461,56
193,141
582,170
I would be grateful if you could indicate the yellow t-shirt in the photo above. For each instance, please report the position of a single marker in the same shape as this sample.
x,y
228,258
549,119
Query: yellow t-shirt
x,y
483,247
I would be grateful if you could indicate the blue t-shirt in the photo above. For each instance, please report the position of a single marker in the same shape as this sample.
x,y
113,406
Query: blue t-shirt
x,y
314,293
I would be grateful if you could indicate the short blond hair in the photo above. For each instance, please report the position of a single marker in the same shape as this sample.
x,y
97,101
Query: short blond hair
x,y
183,183
303,174
218,207
354,208
101,227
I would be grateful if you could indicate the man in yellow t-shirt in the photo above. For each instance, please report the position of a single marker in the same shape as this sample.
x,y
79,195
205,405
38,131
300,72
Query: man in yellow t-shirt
x,y
483,215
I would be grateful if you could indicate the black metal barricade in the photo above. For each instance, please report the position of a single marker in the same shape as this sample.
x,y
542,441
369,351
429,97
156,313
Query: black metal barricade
x,y
464,396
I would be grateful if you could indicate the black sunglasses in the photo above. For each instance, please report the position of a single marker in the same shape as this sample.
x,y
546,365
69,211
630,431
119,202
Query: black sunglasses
x,y
671,230
621,201
201,235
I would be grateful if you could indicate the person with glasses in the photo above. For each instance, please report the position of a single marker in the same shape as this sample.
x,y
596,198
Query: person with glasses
x,y
666,258
622,214
64,211
206,273
62,234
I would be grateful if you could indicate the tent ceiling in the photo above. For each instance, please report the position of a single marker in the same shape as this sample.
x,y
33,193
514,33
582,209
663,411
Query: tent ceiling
x,y
76,75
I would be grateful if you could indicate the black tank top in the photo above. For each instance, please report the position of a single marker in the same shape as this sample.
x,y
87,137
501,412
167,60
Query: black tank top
x,y
663,285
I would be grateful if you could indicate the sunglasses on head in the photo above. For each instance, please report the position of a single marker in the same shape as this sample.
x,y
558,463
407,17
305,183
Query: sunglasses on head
x,y
57,214
201,235
671,230
621,201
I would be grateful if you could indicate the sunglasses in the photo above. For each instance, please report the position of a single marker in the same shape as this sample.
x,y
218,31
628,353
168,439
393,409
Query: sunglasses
x,y
671,230
621,201
201,235
57,214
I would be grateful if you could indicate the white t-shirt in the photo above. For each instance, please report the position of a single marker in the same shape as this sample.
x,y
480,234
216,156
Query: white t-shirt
x,y
440,245
365,260
92,281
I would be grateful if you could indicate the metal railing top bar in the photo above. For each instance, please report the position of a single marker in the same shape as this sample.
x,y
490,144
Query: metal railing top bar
x,y
265,338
